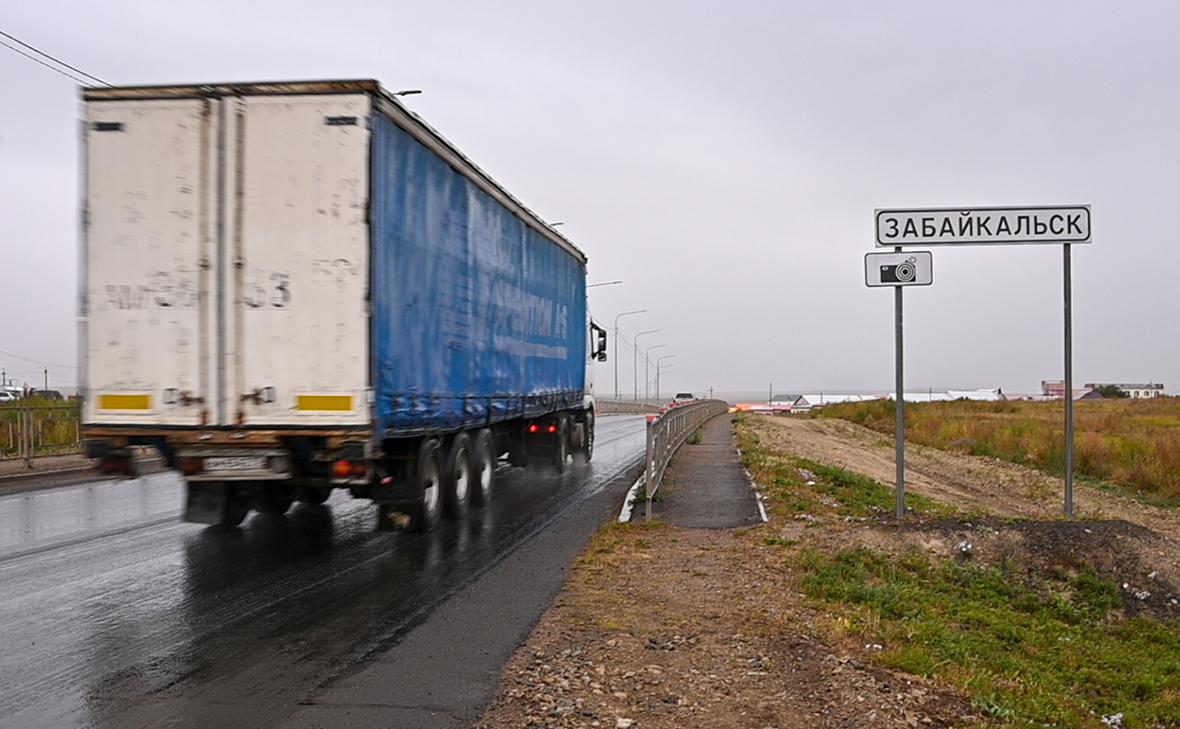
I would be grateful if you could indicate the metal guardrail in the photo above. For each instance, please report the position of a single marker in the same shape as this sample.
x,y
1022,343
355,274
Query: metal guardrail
x,y
607,406
666,432
28,431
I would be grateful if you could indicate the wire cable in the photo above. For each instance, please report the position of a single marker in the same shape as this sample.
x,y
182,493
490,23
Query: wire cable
x,y
58,61
37,361
43,63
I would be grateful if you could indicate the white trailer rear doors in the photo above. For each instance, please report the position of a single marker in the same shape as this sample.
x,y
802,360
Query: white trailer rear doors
x,y
226,261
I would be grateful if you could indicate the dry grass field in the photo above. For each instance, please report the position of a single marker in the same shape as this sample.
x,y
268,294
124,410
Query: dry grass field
x,y
1134,444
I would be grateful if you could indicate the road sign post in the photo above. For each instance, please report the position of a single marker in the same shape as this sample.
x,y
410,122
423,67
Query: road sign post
x,y
1068,290
899,376
899,269
1055,224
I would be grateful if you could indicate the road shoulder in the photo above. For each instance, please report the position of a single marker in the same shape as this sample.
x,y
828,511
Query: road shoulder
x,y
446,669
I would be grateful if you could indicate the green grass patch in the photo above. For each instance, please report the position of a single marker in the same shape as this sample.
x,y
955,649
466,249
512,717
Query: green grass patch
x,y
1057,653
836,490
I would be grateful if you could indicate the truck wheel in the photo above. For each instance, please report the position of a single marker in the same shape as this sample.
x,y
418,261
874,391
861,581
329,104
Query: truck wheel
x,y
236,507
457,475
588,436
561,450
312,495
483,467
518,453
273,498
428,482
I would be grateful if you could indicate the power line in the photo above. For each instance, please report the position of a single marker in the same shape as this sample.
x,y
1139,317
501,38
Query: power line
x,y
37,361
58,61
43,63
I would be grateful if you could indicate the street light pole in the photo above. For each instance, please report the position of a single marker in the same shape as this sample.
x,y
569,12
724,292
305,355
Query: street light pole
x,y
647,370
635,360
659,364
620,316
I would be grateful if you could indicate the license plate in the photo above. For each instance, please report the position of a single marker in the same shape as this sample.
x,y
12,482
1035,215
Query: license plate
x,y
235,463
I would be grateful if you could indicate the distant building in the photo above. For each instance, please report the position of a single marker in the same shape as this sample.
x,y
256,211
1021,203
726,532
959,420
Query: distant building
x,y
1132,390
1055,390
793,403
993,394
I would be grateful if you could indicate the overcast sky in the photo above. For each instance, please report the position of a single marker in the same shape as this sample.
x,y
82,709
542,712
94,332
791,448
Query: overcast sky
x,y
723,159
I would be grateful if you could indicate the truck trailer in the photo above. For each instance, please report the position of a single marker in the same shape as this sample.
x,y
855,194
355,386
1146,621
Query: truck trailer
x,y
292,287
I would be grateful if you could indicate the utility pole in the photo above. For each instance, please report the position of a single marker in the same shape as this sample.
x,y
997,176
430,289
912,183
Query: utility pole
x,y
647,370
635,360
620,316
46,378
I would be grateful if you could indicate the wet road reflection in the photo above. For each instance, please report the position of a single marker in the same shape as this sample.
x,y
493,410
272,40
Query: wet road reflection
x,y
116,614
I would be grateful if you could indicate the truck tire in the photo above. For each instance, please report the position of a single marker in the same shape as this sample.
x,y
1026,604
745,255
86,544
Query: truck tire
x,y
588,443
273,498
483,467
457,477
561,450
312,495
428,482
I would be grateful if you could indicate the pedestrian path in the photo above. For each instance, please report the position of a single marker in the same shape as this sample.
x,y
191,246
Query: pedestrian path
x,y
705,485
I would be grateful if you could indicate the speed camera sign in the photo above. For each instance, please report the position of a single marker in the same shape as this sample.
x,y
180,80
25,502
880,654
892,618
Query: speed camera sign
x,y
911,268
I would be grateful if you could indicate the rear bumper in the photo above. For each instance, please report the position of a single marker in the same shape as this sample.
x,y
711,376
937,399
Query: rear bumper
x,y
124,435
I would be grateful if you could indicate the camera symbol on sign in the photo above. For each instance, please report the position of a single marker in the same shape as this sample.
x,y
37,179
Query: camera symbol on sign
x,y
903,272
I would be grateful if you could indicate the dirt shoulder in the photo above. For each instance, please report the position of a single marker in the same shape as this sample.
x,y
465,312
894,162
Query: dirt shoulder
x,y
982,608
661,626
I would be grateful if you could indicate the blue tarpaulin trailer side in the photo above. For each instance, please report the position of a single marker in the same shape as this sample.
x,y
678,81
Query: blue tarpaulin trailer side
x,y
476,317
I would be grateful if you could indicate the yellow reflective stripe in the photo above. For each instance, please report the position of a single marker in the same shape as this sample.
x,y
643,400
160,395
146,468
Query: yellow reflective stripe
x,y
124,402
335,403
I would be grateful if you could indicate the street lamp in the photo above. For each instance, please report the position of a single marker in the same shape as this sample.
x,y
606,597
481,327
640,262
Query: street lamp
x,y
647,369
659,368
635,360
620,316
407,92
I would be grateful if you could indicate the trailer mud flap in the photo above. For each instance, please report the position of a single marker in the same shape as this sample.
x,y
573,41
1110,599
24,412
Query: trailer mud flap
x,y
206,503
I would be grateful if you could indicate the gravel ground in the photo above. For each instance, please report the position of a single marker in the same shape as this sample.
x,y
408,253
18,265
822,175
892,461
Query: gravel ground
x,y
661,626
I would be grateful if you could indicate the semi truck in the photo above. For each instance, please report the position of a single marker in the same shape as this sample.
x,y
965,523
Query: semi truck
x,y
289,288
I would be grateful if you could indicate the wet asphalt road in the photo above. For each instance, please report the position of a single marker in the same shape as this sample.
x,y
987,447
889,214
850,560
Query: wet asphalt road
x,y
116,614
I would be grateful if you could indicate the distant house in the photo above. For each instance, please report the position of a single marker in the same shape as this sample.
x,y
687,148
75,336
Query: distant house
x,y
993,394
1055,390
1151,389
793,403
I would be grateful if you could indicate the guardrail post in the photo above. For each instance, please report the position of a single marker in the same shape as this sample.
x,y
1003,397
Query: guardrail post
x,y
649,468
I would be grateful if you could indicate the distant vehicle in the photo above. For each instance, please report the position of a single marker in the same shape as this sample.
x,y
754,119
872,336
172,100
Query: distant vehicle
x,y
684,397
47,395
344,301
7,396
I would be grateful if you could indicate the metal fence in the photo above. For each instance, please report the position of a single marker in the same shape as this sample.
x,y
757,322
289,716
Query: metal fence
x,y
28,431
666,432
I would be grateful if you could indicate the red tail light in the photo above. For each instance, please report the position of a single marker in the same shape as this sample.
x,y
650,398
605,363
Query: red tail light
x,y
533,428
341,469
552,428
